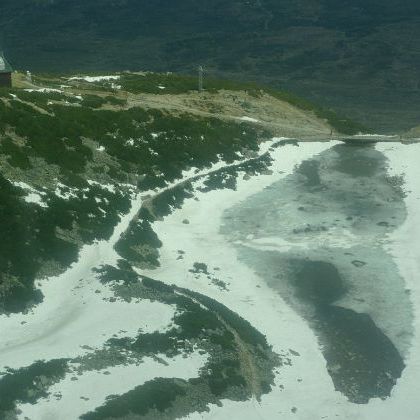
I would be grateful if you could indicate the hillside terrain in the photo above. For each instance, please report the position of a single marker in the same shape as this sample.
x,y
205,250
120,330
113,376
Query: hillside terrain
x,y
64,137
88,164
359,57
174,254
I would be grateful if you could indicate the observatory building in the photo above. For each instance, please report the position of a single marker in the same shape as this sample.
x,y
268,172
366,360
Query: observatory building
x,y
5,72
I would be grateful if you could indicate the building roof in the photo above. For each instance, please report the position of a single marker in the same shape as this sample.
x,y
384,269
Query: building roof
x,y
5,67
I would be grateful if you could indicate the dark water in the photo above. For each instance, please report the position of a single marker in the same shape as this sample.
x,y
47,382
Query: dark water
x,y
334,213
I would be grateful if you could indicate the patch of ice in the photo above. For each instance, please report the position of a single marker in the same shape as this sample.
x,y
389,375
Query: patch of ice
x,y
404,246
314,395
376,135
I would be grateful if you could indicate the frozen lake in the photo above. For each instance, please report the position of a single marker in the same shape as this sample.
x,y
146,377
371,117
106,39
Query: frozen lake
x,y
322,255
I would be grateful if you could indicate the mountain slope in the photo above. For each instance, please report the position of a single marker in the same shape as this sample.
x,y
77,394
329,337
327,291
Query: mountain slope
x,y
85,169
164,255
65,138
359,57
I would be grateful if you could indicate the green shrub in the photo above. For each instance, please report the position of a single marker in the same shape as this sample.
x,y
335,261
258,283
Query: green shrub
x,y
23,385
93,101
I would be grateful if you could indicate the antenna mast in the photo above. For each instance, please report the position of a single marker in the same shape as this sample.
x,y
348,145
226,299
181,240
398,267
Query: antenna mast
x,y
200,78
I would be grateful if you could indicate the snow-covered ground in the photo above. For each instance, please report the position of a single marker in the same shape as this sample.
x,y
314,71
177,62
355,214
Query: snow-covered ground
x,y
84,393
76,313
76,318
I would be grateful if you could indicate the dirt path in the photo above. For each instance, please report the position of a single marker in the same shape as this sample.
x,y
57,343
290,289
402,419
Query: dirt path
x,y
246,359
147,201
276,116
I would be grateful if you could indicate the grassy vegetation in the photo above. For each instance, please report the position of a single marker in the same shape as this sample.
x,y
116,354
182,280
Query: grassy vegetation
x,y
338,122
58,138
93,101
22,246
95,211
182,140
42,99
177,83
29,235
191,320
151,145
164,203
140,244
29,384
195,326
224,375
226,178
245,330
96,102
158,394
123,273
17,155
140,234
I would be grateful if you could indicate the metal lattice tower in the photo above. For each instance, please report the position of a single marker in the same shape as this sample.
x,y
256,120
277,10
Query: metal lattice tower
x,y
200,78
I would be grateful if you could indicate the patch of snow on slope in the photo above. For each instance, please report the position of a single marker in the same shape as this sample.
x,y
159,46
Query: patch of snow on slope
x,y
36,199
33,195
73,313
44,90
68,191
108,187
249,119
90,390
92,79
